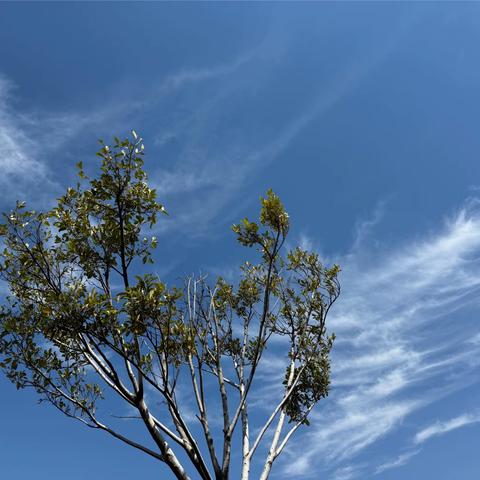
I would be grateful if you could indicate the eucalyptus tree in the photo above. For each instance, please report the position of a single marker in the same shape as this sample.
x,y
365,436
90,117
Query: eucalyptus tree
x,y
86,324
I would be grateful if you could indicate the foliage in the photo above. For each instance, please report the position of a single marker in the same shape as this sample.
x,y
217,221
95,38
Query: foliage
x,y
67,331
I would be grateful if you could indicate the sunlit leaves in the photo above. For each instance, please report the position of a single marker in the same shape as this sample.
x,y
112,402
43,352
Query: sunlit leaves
x,y
273,214
275,221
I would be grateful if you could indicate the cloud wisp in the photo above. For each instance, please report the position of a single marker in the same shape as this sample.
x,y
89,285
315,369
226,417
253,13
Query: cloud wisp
x,y
18,161
29,138
440,428
399,461
397,349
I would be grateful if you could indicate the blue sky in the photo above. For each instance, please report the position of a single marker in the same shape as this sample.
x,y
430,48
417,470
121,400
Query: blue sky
x,y
364,117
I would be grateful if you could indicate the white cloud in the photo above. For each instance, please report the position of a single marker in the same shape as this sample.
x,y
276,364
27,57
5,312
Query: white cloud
x,y
396,351
28,141
18,159
399,461
178,80
364,227
345,473
440,428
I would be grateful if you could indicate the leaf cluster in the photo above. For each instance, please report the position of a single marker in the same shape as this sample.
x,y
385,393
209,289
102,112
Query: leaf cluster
x,y
77,323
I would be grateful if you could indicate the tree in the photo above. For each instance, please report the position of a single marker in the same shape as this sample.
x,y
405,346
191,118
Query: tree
x,y
69,330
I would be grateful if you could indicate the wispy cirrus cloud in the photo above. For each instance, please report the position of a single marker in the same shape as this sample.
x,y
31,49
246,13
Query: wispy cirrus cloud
x,y
180,79
363,228
399,461
345,473
28,139
18,161
440,428
397,350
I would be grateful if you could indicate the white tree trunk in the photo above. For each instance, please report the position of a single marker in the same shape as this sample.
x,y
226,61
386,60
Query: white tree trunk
x,y
272,454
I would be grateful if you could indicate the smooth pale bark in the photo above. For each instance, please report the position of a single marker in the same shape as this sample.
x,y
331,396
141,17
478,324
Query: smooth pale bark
x,y
272,453
169,456
245,441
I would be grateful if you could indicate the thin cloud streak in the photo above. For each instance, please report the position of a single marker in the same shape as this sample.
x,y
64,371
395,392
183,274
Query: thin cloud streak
x,y
181,79
441,428
401,460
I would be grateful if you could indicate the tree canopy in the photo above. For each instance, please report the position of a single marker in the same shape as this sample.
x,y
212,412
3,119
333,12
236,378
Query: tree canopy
x,y
87,322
